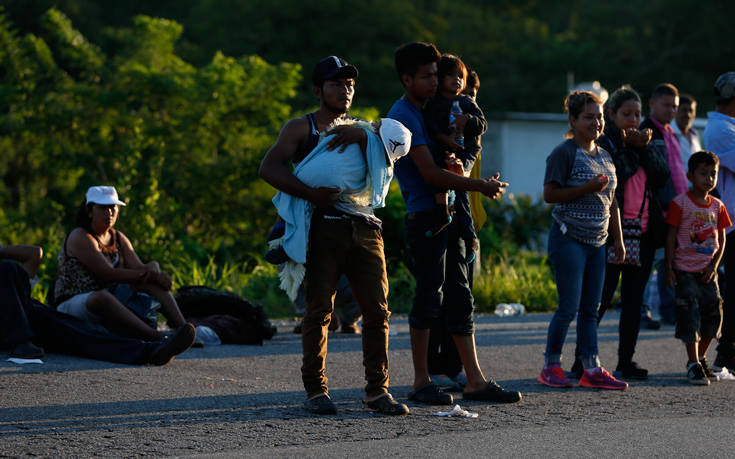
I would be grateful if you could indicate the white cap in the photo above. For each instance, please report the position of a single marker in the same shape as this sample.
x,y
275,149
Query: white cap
x,y
105,195
396,139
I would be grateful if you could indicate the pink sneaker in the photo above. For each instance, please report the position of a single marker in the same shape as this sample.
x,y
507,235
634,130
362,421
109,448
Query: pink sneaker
x,y
554,377
599,378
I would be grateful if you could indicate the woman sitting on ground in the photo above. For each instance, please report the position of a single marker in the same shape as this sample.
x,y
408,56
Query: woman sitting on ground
x,y
95,258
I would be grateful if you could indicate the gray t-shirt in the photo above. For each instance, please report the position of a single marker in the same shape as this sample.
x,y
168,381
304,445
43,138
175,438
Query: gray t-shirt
x,y
586,218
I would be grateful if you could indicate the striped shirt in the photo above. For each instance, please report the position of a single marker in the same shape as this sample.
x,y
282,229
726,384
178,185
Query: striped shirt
x,y
586,218
697,226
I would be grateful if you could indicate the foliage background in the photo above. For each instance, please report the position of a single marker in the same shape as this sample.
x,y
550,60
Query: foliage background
x,y
175,103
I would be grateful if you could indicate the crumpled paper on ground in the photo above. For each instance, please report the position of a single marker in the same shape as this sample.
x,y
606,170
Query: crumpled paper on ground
x,y
24,361
457,411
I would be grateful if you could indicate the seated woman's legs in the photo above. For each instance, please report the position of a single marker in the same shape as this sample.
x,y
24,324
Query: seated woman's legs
x,y
116,316
169,307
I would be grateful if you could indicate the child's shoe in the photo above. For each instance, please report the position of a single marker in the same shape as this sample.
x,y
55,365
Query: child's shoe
x,y
440,220
708,371
599,378
695,374
723,373
554,377
278,230
276,256
472,247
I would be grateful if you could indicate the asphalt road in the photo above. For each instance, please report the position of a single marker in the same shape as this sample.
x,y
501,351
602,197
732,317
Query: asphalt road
x,y
227,401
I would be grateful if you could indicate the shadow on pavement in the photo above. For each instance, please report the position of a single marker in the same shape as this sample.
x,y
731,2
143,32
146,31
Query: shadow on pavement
x,y
111,416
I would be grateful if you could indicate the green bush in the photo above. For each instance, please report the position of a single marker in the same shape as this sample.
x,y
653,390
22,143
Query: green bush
x,y
520,277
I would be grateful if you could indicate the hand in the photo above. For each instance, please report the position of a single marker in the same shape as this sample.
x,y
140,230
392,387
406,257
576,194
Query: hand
x,y
636,138
163,280
152,267
597,183
708,274
448,141
460,121
345,135
494,187
324,197
670,278
619,252
453,163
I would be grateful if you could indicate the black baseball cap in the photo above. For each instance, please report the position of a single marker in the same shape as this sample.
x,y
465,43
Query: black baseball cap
x,y
330,68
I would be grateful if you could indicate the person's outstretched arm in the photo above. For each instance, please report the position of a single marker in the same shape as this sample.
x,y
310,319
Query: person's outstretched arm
x,y
433,175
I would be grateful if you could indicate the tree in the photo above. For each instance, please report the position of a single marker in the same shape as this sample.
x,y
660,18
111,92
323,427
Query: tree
x,y
182,144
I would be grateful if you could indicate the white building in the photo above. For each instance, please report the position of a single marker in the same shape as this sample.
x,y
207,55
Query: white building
x,y
517,144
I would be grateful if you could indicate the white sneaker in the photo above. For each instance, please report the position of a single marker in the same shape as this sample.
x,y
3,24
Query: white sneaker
x,y
724,374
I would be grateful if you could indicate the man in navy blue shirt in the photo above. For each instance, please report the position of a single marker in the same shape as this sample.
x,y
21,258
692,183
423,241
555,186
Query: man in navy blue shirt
x,y
438,259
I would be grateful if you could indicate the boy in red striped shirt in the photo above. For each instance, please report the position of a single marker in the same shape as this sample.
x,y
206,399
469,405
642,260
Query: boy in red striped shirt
x,y
694,248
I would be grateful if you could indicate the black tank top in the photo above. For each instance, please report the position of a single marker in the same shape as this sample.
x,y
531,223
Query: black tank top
x,y
311,141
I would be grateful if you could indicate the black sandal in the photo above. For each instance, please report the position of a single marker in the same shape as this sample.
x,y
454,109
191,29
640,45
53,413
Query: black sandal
x,y
430,394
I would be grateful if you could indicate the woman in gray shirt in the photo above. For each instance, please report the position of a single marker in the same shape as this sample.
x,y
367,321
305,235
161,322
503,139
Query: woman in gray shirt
x,y
580,181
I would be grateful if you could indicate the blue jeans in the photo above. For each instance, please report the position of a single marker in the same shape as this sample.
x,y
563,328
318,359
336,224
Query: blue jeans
x,y
579,270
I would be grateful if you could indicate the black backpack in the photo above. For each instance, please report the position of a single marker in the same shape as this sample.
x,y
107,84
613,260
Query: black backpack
x,y
200,301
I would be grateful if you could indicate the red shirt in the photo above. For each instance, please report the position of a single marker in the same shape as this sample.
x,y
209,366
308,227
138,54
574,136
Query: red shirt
x,y
697,226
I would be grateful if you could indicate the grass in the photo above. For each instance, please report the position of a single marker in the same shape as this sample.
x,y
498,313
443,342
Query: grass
x,y
523,277
519,277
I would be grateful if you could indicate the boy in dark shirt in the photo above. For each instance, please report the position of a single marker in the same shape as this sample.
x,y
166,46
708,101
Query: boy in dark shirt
x,y
438,264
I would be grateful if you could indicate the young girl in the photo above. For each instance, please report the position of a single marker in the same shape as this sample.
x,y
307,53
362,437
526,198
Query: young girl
x,y
640,172
580,180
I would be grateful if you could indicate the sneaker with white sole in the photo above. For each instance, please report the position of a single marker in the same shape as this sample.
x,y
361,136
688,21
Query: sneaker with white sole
x,y
708,372
723,373
599,378
554,377
695,374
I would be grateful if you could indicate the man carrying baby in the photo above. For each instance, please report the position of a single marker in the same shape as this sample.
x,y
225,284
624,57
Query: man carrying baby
x,y
342,240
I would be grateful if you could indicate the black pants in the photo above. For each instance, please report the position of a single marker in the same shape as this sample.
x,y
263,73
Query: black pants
x,y
443,357
23,318
463,215
15,304
439,265
632,287
726,347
